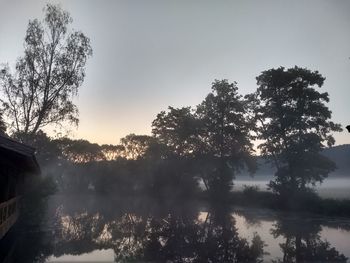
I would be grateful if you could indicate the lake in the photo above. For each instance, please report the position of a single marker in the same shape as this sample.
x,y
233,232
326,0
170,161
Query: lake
x,y
91,228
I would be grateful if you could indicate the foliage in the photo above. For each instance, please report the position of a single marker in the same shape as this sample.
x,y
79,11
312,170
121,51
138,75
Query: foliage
x,y
136,146
173,179
112,152
215,139
47,76
294,125
80,151
177,129
225,134
211,143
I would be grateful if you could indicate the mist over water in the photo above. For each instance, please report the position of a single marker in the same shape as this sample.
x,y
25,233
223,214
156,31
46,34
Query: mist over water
x,y
333,187
104,228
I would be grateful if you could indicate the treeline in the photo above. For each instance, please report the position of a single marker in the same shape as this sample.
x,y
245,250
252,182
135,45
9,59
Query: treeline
x,y
210,143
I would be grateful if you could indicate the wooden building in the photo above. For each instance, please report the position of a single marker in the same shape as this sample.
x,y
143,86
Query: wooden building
x,y
17,164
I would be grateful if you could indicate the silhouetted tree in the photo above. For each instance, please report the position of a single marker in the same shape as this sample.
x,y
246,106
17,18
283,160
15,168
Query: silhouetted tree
x,y
225,134
80,151
136,146
112,152
48,76
157,151
173,178
177,129
294,124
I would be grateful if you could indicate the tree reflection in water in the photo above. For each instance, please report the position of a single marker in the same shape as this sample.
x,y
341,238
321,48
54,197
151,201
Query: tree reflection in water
x,y
303,242
175,233
148,230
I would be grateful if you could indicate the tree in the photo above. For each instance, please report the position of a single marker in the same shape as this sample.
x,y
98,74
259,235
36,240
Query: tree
x,y
136,146
47,76
2,125
112,152
80,151
177,129
225,134
294,124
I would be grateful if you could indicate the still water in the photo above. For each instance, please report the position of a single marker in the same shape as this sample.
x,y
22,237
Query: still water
x,y
89,228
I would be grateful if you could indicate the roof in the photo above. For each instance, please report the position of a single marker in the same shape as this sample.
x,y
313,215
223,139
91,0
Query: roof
x,y
22,151
12,145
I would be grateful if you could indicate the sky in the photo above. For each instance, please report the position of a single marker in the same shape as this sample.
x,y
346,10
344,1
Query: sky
x,y
151,54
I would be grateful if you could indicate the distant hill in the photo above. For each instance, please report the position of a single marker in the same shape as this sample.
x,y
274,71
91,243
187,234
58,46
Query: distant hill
x,y
339,154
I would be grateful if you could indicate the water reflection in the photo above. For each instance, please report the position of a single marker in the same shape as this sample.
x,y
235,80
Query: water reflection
x,y
178,233
303,242
149,230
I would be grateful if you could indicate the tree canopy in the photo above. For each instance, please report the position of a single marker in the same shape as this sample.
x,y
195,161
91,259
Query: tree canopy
x,y
177,128
226,132
80,151
136,146
112,152
47,76
294,125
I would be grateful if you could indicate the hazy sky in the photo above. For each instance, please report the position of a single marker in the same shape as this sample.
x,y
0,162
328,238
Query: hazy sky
x,y
152,54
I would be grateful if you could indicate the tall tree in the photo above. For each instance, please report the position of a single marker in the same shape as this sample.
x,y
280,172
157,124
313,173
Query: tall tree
x,y
177,129
136,146
225,133
47,76
294,125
